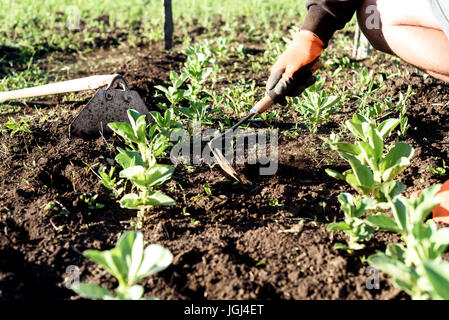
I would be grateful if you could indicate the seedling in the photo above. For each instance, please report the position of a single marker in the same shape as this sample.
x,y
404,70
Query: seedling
x,y
402,108
240,98
91,201
199,110
367,96
341,63
173,93
139,164
353,226
109,181
166,123
207,189
316,107
14,126
129,263
372,164
441,171
275,203
412,263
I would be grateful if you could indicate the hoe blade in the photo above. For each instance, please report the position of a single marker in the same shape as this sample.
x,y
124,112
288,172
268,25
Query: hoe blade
x,y
222,162
106,106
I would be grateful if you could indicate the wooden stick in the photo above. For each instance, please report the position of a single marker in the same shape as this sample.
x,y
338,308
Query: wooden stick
x,y
89,83
168,25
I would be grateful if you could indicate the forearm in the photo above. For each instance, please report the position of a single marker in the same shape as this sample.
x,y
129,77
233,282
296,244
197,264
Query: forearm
x,y
324,17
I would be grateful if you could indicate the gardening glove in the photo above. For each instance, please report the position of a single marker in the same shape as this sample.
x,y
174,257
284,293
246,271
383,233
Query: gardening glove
x,y
292,72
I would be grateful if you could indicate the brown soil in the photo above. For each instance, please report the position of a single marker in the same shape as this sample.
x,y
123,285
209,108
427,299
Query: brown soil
x,y
233,244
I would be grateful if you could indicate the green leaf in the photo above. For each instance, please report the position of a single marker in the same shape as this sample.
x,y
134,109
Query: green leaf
x,y
158,174
137,175
156,258
138,124
347,203
187,112
98,257
396,251
363,205
350,148
425,203
335,174
356,246
383,222
355,125
207,189
421,232
158,198
392,189
396,160
441,238
92,291
341,246
369,155
136,256
335,226
399,209
437,273
162,88
128,159
130,201
386,127
124,130
396,269
122,253
133,293
362,173
362,230
354,183
377,144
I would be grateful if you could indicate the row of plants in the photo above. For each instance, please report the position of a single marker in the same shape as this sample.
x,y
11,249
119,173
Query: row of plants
x,y
137,186
416,264
138,183
374,165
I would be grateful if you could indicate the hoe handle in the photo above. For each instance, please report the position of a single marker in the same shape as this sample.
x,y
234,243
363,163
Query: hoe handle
x,y
89,83
263,105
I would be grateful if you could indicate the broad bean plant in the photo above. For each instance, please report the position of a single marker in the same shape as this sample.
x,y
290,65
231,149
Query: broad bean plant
x,y
415,265
138,162
372,162
129,262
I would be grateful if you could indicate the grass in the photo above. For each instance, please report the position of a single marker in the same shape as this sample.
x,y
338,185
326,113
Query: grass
x,y
35,30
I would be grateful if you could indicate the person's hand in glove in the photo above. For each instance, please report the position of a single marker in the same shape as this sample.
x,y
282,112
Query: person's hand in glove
x,y
292,72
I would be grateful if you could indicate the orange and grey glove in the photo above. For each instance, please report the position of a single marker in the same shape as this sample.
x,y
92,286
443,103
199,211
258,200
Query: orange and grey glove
x,y
292,72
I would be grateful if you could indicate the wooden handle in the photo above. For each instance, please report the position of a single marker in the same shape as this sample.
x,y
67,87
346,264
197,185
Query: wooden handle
x,y
89,83
263,105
